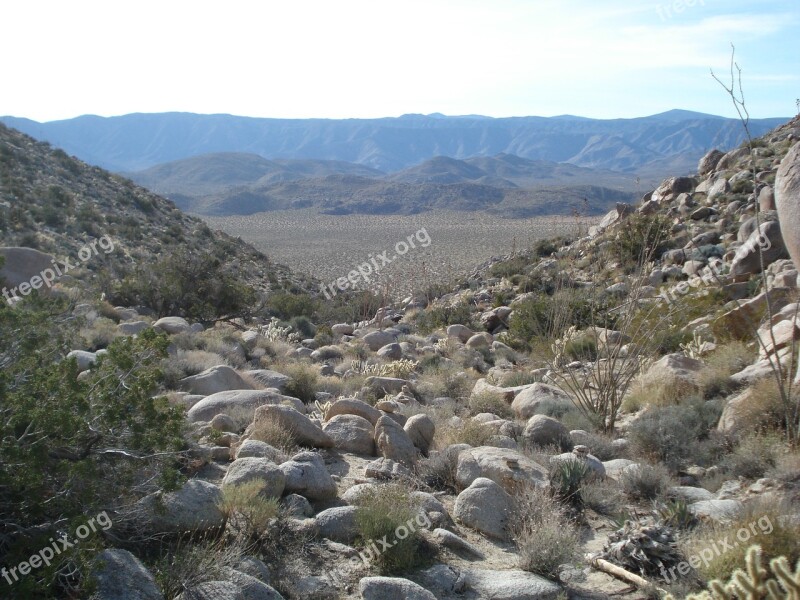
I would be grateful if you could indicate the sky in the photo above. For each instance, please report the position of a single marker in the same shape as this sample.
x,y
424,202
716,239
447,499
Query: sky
x,y
365,59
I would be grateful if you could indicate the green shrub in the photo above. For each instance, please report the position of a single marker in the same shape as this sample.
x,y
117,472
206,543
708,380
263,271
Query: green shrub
x,y
490,402
381,514
642,237
567,478
439,317
303,383
285,305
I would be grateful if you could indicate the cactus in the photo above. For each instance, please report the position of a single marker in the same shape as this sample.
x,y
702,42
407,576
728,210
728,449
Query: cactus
x,y
755,582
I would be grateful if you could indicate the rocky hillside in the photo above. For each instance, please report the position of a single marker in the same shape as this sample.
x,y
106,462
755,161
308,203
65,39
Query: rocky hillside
x,y
599,417
57,204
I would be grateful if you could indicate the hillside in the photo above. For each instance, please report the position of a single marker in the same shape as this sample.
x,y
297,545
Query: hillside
x,y
138,141
57,204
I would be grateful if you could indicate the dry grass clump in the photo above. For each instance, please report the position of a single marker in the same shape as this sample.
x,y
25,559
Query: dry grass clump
x,y
247,508
753,456
770,524
545,535
100,333
303,382
490,402
603,496
645,482
438,470
726,360
188,362
445,381
651,391
468,432
278,437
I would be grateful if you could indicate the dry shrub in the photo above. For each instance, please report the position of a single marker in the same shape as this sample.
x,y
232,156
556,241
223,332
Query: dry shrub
x,y
753,456
278,437
470,432
726,360
247,508
490,402
645,482
770,524
545,535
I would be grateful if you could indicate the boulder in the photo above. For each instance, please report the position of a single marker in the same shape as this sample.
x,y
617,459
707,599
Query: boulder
x,y
421,429
709,162
787,201
763,247
391,351
351,406
132,328
306,475
393,442
172,325
479,341
266,472
485,507
594,464
766,198
258,449
385,385
387,469
534,397
375,340
546,431
269,379
392,588
194,507
119,575
689,494
674,368
84,359
720,511
351,433
212,590
240,405
512,584
302,429
24,266
338,524
460,332
221,378
459,545
342,329
251,587
508,468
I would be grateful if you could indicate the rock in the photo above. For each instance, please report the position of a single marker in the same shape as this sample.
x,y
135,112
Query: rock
x,y
495,319
535,397
459,332
546,431
351,406
420,429
690,494
251,587
297,506
351,433
787,201
386,468
485,507
392,588
511,585
615,467
306,475
84,359
254,567
119,575
673,186
194,507
391,351
709,162
244,470
718,188
615,215
172,325
765,245
508,468
239,404
739,414
342,329
269,379
479,341
594,464
675,368
302,429
730,159
223,423
258,449
741,322
212,590
453,542
720,511
314,587
375,340
338,524
393,442
221,378
766,198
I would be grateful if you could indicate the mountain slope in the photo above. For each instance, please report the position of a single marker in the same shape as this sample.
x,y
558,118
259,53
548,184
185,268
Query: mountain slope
x,y
57,204
138,141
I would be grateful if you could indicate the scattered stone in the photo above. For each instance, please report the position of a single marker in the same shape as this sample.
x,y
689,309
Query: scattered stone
x,y
392,588
485,507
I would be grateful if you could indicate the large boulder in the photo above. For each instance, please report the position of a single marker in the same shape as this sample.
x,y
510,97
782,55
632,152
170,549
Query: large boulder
x,y
263,470
764,246
302,429
306,475
240,405
221,378
212,590
385,385
119,575
460,332
393,442
485,507
84,359
421,429
194,507
511,585
674,369
534,398
709,162
351,406
509,468
172,325
375,340
269,379
21,266
787,201
542,430
351,433
392,588
338,524
251,587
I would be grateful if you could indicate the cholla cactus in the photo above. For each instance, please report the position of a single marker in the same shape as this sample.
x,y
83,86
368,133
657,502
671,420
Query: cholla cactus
x,y
696,348
559,346
274,332
399,368
323,408
754,583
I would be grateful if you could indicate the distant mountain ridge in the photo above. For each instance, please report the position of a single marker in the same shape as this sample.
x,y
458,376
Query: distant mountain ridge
x,y
656,145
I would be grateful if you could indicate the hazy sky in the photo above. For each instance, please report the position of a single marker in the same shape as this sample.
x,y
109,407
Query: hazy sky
x,y
343,58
